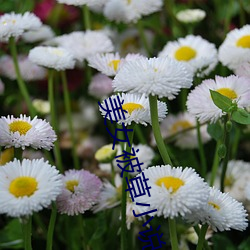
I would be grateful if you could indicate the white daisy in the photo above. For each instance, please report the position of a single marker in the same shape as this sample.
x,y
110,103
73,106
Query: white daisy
x,y
28,186
174,191
191,15
137,107
130,11
221,212
247,191
85,44
174,124
243,69
200,103
41,106
156,76
42,34
14,25
197,53
110,63
235,49
51,57
24,132
89,3
29,70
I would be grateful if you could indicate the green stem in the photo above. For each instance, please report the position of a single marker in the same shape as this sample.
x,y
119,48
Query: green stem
x,y
242,14
203,170
86,17
54,120
205,244
112,173
18,153
236,142
226,158
124,196
66,96
82,228
27,229
50,233
215,164
143,37
202,235
156,130
173,235
21,84
140,135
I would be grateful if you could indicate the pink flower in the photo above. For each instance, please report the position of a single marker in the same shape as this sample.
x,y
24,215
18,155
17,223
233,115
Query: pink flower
x,y
80,192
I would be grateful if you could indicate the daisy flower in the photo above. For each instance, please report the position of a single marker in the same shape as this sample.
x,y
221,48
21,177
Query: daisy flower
x,y
29,70
14,25
51,57
174,124
197,53
191,15
110,195
110,63
85,44
42,34
235,49
156,76
26,132
80,192
28,186
200,103
221,212
130,11
137,107
41,106
243,69
100,86
89,3
174,191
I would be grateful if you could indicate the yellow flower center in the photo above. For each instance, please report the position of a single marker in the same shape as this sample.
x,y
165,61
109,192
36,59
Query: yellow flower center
x,y
214,205
130,107
170,182
185,53
244,42
229,181
129,1
180,125
6,156
23,186
13,21
114,64
20,126
70,185
227,92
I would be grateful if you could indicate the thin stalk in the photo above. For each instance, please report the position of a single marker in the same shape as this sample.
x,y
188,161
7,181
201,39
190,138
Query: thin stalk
x,y
112,173
52,222
202,235
242,14
140,135
156,130
226,158
21,84
86,17
173,235
67,105
124,196
18,153
215,164
205,244
143,37
236,142
27,229
54,120
203,169
82,228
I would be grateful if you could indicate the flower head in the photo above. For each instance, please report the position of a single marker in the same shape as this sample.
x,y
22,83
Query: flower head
x,y
14,25
29,70
221,212
26,132
28,186
89,3
197,53
80,192
200,103
174,191
191,15
136,107
51,57
235,49
156,76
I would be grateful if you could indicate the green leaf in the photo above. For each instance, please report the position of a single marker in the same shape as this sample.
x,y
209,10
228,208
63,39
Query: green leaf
x,y
241,116
245,244
215,130
222,102
222,242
